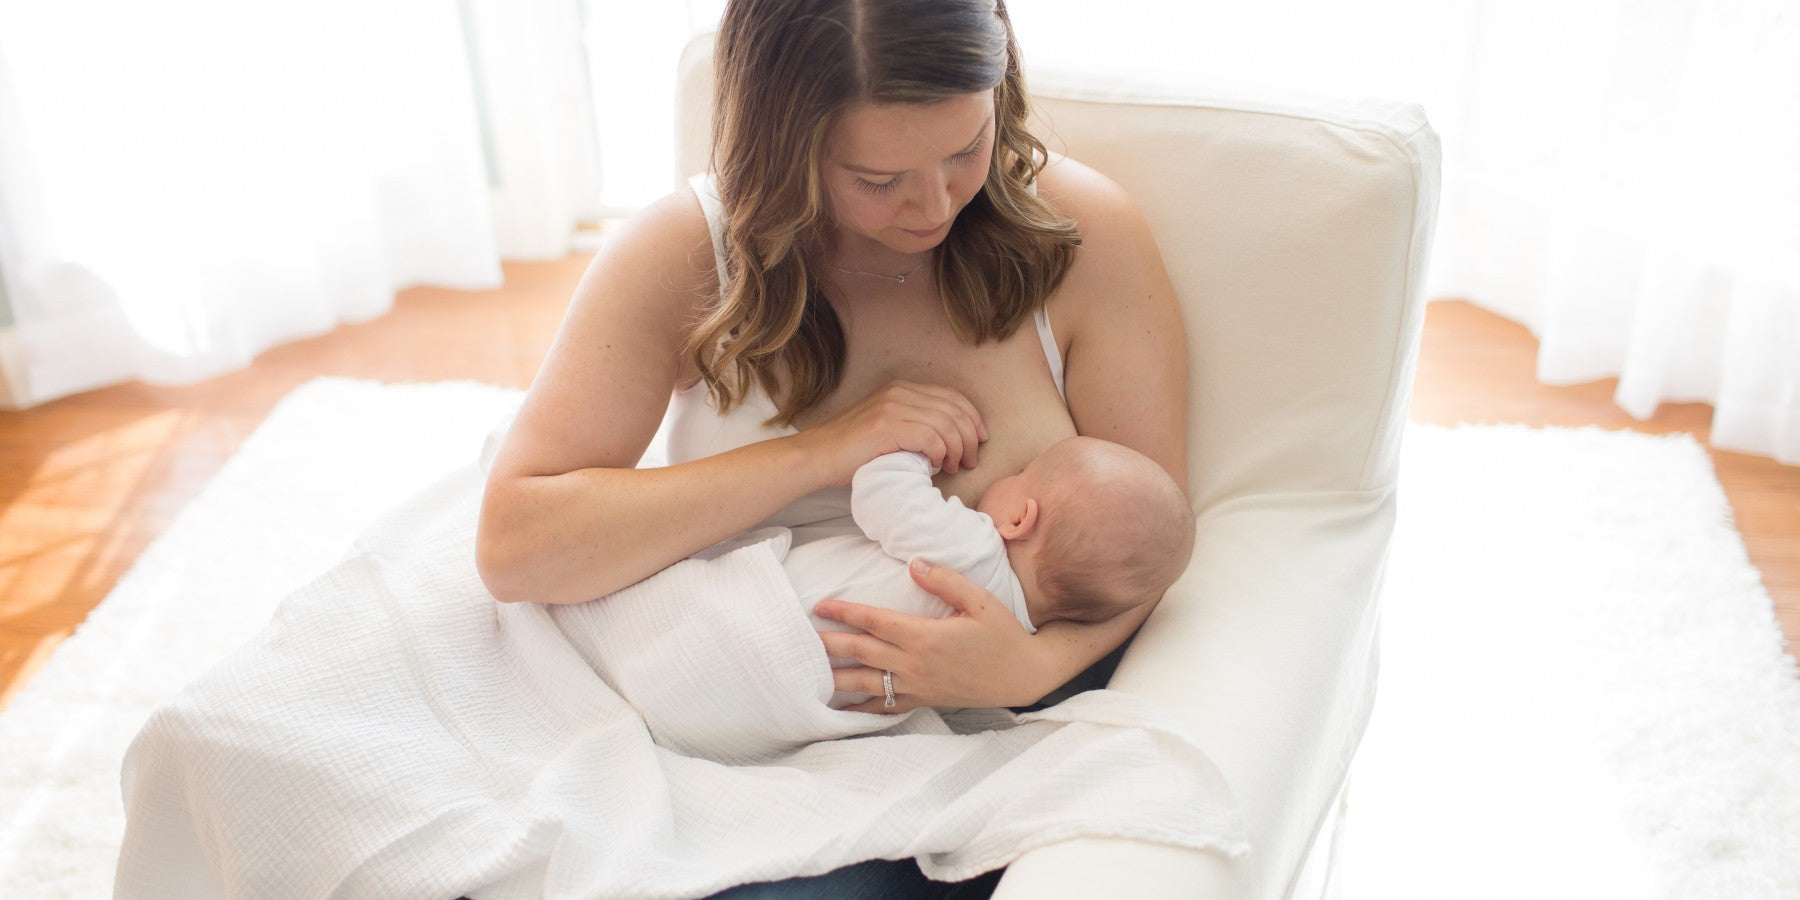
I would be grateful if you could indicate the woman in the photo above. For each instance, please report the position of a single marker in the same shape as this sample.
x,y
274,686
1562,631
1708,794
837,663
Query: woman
x,y
899,265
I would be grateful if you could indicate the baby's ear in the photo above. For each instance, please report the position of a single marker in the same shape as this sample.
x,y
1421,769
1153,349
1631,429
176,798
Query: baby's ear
x,y
1020,522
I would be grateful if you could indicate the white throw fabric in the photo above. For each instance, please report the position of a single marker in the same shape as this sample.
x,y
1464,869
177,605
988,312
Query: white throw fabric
x,y
396,732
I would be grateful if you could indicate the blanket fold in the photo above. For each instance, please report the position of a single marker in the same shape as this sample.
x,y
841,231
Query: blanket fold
x,y
394,731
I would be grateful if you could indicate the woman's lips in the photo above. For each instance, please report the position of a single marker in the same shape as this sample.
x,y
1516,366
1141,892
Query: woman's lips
x,y
927,232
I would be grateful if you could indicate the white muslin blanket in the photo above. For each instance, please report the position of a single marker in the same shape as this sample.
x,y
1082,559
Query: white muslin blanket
x,y
395,732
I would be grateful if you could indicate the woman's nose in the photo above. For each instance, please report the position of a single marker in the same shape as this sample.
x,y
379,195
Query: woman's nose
x,y
935,205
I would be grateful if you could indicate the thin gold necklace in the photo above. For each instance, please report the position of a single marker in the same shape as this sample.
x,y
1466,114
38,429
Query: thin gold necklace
x,y
897,279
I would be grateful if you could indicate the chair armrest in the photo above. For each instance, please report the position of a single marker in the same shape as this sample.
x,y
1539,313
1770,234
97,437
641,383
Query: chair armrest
x,y
1265,651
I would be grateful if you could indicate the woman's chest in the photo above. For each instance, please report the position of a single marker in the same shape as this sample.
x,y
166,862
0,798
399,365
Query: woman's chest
x,y
1008,381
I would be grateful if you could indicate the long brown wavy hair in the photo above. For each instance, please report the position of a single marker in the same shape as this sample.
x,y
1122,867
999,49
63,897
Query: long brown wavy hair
x,y
786,71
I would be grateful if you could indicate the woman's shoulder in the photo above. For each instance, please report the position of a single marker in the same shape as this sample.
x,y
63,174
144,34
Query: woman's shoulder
x,y
1093,200
672,236
651,275
1117,250
679,205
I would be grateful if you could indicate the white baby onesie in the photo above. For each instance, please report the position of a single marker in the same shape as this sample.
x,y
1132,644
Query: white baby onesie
x,y
905,518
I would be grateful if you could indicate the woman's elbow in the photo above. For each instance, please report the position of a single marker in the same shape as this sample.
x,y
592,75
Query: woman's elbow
x,y
513,566
498,566
499,555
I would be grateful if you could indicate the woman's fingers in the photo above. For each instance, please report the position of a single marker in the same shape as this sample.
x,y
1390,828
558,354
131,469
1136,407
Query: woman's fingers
x,y
869,681
877,654
878,658
874,650
930,419
931,443
962,416
889,626
944,437
945,412
939,435
879,706
951,587
869,650
962,451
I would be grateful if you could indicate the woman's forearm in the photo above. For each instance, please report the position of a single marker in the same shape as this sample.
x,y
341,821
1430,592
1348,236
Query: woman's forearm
x,y
577,536
1070,648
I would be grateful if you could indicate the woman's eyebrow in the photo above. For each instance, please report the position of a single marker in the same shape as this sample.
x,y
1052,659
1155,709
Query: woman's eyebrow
x,y
970,146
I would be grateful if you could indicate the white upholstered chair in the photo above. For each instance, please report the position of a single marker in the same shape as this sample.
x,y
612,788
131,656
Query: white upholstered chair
x,y
1296,230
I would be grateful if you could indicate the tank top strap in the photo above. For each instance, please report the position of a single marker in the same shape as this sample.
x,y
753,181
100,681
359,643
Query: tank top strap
x,y
1052,354
707,192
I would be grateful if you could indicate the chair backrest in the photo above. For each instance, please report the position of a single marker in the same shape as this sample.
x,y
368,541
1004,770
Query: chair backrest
x,y
1280,219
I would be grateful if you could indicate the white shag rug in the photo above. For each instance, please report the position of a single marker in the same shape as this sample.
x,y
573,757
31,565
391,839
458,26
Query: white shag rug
x,y
1584,692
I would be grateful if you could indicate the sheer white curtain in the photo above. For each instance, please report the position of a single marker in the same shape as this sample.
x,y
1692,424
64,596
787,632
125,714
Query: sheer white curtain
x,y
632,51
185,183
1619,175
1639,208
537,117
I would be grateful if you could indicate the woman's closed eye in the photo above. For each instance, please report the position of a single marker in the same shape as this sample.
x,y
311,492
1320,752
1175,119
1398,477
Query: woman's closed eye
x,y
879,187
969,155
882,187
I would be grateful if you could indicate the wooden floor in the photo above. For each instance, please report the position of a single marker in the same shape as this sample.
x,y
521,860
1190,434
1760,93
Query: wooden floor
x,y
87,482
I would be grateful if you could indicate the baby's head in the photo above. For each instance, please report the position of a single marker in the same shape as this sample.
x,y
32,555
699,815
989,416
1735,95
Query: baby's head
x,y
1092,528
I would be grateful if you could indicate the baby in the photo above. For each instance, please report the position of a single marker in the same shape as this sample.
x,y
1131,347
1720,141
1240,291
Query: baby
x,y
1088,530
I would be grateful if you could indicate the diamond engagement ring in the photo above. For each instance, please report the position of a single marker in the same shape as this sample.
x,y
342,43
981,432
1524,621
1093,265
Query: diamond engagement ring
x,y
887,686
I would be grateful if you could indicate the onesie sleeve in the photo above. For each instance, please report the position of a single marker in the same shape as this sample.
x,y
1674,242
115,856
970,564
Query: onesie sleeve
x,y
895,503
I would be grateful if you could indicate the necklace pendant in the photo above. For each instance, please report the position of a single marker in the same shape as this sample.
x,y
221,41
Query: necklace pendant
x,y
899,279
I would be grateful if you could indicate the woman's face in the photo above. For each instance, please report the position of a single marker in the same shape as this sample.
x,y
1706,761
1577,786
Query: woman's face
x,y
898,173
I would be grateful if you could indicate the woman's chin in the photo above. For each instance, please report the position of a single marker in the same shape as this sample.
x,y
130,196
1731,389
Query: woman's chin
x,y
928,234
903,241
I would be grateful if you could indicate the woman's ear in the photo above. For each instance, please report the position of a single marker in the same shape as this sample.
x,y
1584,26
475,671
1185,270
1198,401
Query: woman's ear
x,y
1021,522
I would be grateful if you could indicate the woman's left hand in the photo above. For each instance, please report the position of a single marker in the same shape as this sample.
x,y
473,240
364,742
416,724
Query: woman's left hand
x,y
978,656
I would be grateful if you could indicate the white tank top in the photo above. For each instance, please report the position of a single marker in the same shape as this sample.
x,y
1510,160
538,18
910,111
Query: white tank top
x,y
693,428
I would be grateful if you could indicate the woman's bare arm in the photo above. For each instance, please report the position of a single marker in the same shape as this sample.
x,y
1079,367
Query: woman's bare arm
x,y
568,518
1125,358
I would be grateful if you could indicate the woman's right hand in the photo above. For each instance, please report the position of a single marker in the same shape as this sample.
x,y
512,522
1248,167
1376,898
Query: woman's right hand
x,y
925,418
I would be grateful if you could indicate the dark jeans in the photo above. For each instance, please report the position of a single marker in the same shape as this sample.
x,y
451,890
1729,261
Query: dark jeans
x,y
877,879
